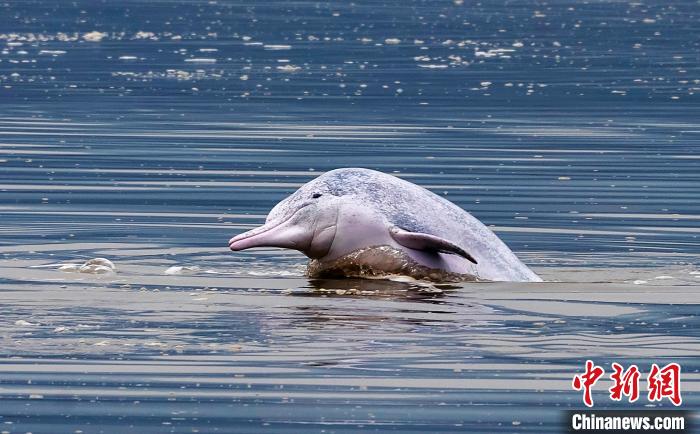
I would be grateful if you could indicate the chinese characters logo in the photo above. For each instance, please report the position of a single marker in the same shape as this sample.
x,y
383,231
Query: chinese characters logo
x,y
661,383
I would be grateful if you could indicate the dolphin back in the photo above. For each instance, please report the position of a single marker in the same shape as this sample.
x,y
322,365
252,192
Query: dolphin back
x,y
416,209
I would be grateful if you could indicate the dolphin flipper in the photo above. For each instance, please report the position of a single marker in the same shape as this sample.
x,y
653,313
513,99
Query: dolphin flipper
x,y
421,241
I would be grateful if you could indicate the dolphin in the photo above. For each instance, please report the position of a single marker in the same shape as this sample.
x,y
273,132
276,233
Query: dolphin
x,y
358,222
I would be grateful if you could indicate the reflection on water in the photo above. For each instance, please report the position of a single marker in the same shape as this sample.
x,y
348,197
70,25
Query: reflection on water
x,y
150,133
226,347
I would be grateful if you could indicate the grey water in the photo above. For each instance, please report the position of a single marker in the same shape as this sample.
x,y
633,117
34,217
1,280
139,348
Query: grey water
x,y
150,132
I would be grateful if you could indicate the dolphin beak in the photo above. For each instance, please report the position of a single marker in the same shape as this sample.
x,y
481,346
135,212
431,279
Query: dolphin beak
x,y
285,235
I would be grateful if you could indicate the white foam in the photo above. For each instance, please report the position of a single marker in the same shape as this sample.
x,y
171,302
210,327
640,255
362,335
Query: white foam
x,y
23,323
70,268
178,269
94,36
146,35
52,52
289,68
200,60
92,266
273,47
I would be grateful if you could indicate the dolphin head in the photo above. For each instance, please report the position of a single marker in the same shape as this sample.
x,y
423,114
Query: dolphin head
x,y
328,217
305,221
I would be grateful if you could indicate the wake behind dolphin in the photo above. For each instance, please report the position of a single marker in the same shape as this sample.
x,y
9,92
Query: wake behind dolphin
x,y
360,223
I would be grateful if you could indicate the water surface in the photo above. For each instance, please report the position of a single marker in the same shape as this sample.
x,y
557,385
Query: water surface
x,y
151,132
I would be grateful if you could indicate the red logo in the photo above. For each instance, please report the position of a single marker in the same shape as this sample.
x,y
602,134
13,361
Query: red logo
x,y
626,383
665,383
588,380
661,382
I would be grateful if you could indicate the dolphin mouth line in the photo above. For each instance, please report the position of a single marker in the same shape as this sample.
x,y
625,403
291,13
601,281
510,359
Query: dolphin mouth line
x,y
252,233
236,239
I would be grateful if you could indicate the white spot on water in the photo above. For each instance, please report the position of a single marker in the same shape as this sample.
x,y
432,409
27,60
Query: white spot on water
x,y
146,35
92,266
69,268
200,60
52,52
94,36
431,66
289,68
178,269
272,47
23,323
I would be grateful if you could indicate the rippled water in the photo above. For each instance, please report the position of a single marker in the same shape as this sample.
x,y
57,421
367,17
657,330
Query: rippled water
x,y
151,132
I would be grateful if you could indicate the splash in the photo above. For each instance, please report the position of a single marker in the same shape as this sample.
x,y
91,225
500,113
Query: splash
x,y
381,262
92,266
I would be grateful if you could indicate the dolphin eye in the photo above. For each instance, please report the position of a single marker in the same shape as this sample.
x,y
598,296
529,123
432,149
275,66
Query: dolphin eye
x,y
316,195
